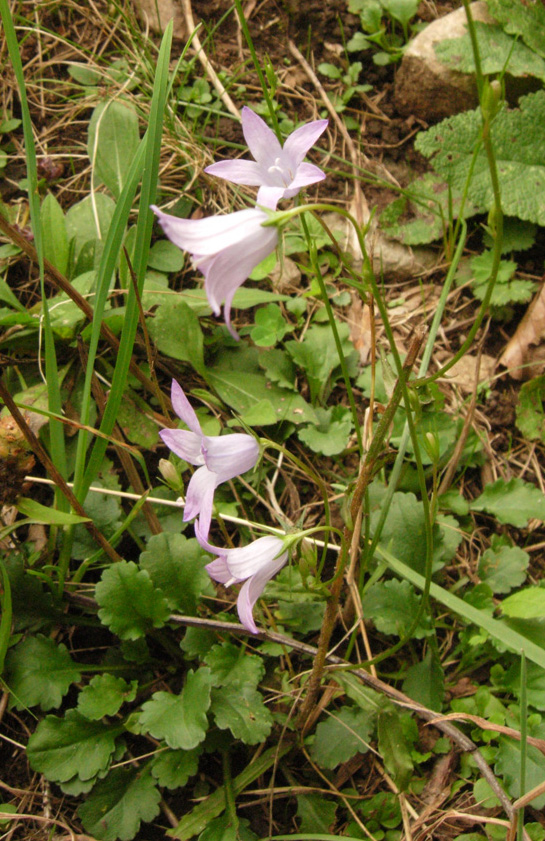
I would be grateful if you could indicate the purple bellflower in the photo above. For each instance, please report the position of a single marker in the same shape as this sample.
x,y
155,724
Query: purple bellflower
x,y
254,564
219,458
225,248
278,171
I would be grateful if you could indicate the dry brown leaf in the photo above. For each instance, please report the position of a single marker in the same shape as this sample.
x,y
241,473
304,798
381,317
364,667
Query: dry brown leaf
x,y
463,373
359,322
519,358
488,725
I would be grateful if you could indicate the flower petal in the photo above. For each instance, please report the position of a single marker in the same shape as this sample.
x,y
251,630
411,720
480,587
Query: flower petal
x,y
185,444
183,408
247,560
301,140
306,174
230,455
252,589
210,235
262,141
270,196
219,571
230,268
200,497
238,171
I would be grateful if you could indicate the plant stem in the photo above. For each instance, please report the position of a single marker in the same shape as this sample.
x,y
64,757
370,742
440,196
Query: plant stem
x,y
367,471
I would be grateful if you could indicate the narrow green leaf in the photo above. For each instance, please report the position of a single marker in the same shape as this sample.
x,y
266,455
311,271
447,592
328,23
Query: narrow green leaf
x,y
393,748
50,516
112,143
194,822
511,639
55,236
5,619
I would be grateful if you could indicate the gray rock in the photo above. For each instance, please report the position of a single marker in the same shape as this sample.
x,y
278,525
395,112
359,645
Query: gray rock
x,y
428,89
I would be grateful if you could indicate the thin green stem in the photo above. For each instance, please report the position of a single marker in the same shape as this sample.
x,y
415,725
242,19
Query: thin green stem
x,y
333,324
258,70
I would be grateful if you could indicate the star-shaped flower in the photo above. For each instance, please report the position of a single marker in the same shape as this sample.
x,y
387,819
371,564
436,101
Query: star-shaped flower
x,y
278,171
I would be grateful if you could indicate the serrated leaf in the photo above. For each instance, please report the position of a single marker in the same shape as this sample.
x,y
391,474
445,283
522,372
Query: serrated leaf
x,y
118,804
176,566
394,749
513,502
73,746
507,766
278,367
129,603
498,51
40,672
176,331
180,719
231,665
503,569
316,814
393,606
425,682
519,147
173,768
526,604
112,143
241,710
535,683
342,736
104,695
524,19
330,435
317,355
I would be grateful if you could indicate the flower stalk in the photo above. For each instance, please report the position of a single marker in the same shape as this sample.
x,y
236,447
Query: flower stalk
x,y
369,466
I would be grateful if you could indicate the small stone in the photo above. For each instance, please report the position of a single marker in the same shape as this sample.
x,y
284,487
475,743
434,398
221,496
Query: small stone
x,y
424,87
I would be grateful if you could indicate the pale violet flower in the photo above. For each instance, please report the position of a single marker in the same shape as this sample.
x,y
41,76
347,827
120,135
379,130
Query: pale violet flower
x,y
218,458
278,171
254,564
224,248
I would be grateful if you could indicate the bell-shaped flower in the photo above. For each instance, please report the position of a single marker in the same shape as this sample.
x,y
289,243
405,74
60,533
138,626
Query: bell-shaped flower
x,y
278,171
224,248
254,564
218,458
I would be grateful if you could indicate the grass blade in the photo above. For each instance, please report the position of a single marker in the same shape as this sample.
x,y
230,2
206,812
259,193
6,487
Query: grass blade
x,y
513,640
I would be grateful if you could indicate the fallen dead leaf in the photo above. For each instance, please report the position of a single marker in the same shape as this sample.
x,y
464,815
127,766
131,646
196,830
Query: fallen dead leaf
x,y
463,373
519,358
359,322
